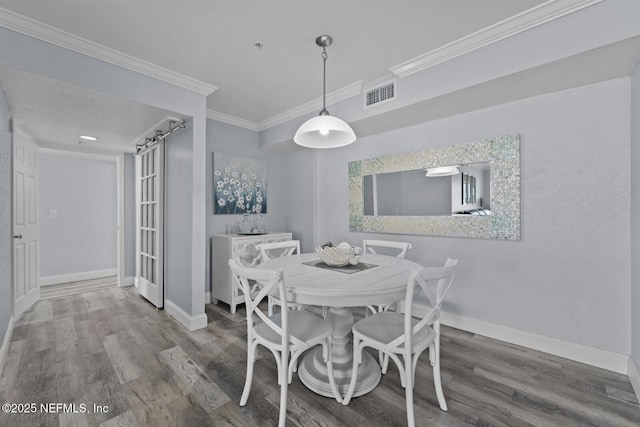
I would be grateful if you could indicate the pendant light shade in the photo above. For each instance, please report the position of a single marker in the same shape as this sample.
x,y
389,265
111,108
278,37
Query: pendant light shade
x,y
324,131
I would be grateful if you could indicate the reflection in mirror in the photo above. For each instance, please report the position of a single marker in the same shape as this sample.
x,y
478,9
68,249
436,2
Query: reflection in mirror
x,y
471,190
465,191
391,194
406,193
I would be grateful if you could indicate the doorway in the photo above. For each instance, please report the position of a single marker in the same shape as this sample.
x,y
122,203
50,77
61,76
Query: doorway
x,y
26,225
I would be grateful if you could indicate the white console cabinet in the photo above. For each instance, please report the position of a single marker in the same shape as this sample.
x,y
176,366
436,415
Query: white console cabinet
x,y
226,246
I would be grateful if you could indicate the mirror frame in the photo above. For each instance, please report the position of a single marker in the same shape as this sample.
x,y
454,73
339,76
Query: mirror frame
x,y
503,154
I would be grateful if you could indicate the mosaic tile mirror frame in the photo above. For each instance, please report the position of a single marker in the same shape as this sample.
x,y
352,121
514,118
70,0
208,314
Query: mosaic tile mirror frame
x,y
503,155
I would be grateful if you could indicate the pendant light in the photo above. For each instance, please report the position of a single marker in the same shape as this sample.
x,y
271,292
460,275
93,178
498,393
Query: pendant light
x,y
324,131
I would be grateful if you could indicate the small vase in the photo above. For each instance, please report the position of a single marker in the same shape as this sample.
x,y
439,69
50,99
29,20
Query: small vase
x,y
245,225
258,225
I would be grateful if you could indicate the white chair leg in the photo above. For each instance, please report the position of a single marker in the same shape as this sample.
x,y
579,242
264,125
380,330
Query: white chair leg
x,y
437,381
270,305
332,380
357,356
401,366
384,362
251,358
414,367
408,390
284,384
293,364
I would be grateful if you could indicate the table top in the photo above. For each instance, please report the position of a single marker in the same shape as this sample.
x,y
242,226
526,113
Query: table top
x,y
382,284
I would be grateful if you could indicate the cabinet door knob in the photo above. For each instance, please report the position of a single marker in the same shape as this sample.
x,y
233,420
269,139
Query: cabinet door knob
x,y
17,236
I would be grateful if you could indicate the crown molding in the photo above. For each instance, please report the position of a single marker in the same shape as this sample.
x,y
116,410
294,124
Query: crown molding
x,y
232,120
309,107
546,12
531,18
315,105
36,29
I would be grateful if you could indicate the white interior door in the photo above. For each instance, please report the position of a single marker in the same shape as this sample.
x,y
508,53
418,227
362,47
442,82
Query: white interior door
x,y
26,229
149,222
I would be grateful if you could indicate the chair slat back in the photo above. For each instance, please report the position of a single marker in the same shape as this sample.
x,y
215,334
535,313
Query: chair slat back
x,y
278,249
435,283
370,246
266,280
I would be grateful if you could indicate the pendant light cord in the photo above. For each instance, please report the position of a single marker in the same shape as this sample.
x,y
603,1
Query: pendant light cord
x,y
324,111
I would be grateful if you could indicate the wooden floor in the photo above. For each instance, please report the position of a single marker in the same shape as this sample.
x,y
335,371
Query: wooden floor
x,y
79,287
131,365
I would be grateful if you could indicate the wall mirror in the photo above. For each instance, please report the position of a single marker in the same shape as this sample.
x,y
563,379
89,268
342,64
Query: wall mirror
x,y
479,197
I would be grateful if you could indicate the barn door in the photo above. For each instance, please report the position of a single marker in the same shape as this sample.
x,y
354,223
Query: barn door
x,y
149,224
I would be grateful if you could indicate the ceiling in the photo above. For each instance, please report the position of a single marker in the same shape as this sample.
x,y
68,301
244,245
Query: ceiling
x,y
214,44
55,114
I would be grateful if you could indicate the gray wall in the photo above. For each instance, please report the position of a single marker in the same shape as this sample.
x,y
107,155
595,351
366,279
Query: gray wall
x,y
635,215
83,193
178,219
569,276
6,228
129,216
302,204
225,138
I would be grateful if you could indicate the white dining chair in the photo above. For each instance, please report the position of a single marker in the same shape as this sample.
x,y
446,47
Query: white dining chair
x,y
404,337
398,249
384,247
287,334
273,250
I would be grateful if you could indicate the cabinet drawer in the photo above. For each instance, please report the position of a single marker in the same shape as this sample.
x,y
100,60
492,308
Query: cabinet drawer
x,y
246,250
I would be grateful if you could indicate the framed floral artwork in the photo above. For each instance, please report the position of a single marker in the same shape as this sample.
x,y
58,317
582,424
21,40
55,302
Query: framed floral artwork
x,y
239,184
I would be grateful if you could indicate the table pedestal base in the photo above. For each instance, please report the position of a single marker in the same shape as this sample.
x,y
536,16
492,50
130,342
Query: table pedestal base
x,y
312,370
313,374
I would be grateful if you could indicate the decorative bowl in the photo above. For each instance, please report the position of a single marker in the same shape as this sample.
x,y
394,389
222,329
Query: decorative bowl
x,y
335,256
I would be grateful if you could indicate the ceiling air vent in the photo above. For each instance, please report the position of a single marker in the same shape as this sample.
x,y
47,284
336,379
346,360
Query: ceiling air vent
x,y
380,94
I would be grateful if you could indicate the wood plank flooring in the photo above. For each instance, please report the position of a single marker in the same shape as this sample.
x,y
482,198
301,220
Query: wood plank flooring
x,y
79,287
132,365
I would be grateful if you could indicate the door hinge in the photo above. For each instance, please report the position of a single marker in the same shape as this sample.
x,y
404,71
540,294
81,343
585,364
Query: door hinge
x,y
11,124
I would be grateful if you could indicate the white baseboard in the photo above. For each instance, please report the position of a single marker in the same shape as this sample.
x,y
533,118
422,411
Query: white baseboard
x,y
127,281
634,377
76,277
192,323
4,348
580,353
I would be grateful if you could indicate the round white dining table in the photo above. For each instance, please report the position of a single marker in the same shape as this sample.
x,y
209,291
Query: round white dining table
x,y
379,279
